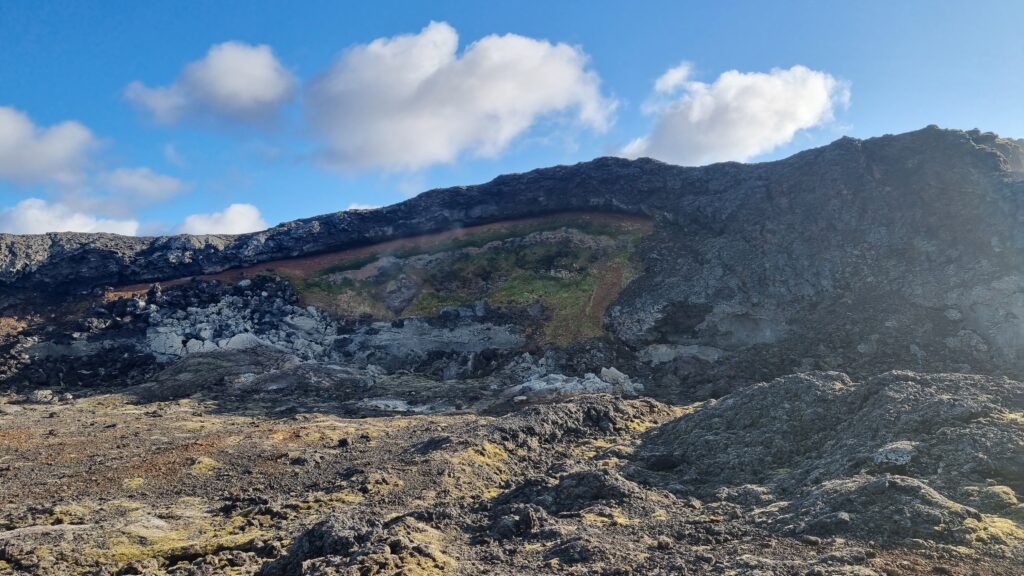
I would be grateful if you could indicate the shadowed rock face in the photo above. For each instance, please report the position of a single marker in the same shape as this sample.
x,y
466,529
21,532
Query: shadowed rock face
x,y
894,252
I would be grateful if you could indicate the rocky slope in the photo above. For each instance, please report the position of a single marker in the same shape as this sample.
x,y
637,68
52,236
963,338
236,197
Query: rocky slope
x,y
252,463
898,252
830,347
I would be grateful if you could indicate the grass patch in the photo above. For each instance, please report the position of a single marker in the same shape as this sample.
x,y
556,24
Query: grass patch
x,y
567,303
1014,417
319,284
606,517
480,239
204,465
430,302
480,471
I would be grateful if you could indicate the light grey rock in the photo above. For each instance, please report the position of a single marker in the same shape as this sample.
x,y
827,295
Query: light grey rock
x,y
165,342
613,376
554,386
243,341
400,292
303,323
43,397
898,453
901,455
663,353
392,346
886,508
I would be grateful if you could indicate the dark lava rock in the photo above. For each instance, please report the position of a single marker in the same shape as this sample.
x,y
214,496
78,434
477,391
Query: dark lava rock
x,y
953,430
897,252
576,491
591,415
341,545
517,520
886,508
827,445
338,536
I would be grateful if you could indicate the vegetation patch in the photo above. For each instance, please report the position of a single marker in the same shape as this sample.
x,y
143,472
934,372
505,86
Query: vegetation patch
x,y
564,271
204,465
996,530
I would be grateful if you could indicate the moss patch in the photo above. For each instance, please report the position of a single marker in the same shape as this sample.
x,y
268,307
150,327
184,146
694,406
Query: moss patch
x,y
204,465
574,275
996,530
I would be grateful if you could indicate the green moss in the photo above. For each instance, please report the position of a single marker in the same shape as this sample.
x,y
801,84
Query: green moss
x,y
574,283
480,239
353,264
566,300
204,465
319,284
995,530
430,302
528,287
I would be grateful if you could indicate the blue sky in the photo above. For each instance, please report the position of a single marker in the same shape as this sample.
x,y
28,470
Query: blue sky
x,y
314,124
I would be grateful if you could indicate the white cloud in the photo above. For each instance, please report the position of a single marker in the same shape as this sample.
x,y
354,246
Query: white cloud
x,y
120,192
673,78
36,216
358,206
235,80
738,116
411,101
30,153
142,185
235,219
166,104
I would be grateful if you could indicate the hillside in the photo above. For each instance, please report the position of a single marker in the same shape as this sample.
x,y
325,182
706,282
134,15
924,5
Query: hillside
x,y
898,252
807,366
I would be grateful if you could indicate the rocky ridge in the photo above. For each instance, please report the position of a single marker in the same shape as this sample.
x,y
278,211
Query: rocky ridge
x,y
898,252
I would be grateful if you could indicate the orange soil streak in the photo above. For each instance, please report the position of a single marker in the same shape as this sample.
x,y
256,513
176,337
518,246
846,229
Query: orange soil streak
x,y
610,285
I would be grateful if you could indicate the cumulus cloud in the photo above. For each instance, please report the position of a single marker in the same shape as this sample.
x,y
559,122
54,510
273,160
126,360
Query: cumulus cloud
x,y
235,219
36,216
738,116
142,185
30,153
234,80
410,101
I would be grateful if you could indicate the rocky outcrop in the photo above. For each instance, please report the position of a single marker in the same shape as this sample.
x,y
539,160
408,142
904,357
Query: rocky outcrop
x,y
703,197
902,455
898,252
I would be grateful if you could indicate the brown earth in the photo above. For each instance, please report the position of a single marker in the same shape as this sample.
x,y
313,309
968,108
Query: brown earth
x,y
217,485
